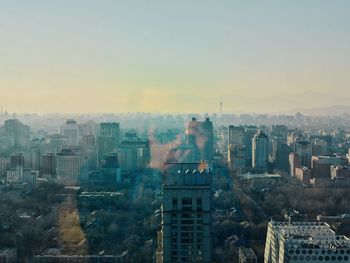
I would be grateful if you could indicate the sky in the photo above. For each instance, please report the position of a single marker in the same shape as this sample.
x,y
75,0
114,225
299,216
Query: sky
x,y
173,56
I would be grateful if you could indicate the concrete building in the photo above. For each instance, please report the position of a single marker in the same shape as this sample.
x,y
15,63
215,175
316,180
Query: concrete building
x,y
30,177
3,166
340,172
303,174
200,134
282,156
48,165
18,132
185,234
303,150
246,255
249,133
260,151
108,139
236,147
6,143
17,159
71,168
14,175
110,170
319,147
110,129
293,163
321,165
293,137
298,242
134,154
70,131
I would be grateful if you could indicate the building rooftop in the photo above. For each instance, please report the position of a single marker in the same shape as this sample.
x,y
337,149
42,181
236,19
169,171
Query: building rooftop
x,y
310,235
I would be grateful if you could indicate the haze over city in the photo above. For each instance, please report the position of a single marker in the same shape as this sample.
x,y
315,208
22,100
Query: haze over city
x,y
173,56
187,131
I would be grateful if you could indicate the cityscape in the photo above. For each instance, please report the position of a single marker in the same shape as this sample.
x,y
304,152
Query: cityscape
x,y
174,131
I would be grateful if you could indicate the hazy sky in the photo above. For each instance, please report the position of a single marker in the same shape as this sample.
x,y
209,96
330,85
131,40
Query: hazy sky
x,y
173,56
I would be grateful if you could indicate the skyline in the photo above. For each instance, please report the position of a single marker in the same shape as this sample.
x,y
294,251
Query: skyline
x,y
166,57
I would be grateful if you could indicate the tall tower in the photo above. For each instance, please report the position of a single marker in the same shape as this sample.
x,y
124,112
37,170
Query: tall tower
x,y
221,105
260,151
185,234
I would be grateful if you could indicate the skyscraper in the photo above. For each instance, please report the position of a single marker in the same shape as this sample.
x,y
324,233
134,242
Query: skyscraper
x,y
49,165
200,135
185,234
249,133
236,147
260,151
18,132
70,131
108,140
134,154
110,129
303,150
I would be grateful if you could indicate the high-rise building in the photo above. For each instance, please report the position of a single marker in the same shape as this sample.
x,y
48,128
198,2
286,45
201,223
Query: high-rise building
x,y
321,165
280,154
18,132
35,157
70,131
108,140
293,163
298,242
3,166
110,170
16,160
55,143
14,175
134,154
236,148
200,135
303,150
249,133
340,172
49,165
319,147
185,234
30,177
110,129
260,151
71,168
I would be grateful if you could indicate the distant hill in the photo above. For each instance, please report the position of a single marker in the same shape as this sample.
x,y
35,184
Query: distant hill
x,y
330,110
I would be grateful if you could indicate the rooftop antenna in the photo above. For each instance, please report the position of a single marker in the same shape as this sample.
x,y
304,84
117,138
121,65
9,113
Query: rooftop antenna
x,y
221,104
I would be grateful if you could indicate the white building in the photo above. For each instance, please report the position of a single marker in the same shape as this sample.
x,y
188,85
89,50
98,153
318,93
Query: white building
x,y
71,168
299,242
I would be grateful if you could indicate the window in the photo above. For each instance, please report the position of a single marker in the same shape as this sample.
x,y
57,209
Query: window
x,y
174,203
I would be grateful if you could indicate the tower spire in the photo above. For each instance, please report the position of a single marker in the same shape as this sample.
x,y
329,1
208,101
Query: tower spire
x,y
221,104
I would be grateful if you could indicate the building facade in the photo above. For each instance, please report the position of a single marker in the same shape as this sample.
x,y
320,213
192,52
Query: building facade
x,y
185,234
